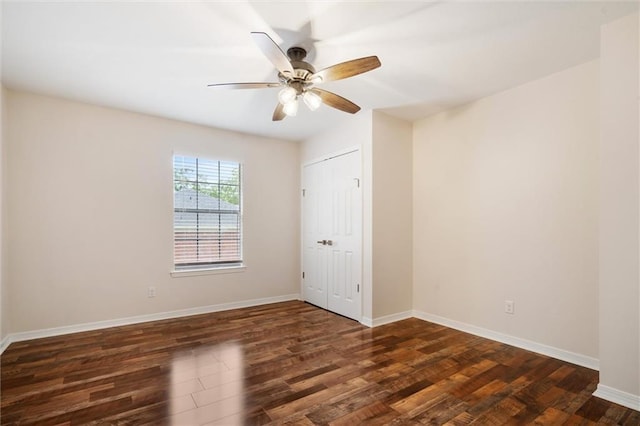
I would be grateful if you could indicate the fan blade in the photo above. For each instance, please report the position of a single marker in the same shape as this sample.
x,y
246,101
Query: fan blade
x,y
279,114
336,101
346,69
273,52
243,85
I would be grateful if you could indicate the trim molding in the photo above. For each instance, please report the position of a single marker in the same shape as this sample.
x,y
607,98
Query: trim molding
x,y
366,321
331,155
561,354
57,331
4,344
208,271
619,397
388,319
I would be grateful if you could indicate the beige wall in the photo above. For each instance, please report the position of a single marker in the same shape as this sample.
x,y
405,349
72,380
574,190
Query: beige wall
x,y
505,208
90,207
619,212
392,216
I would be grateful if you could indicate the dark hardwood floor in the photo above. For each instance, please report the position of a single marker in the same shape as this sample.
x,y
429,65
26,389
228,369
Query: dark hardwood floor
x,y
292,363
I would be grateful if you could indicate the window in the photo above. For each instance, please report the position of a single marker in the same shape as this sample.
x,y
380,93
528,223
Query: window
x,y
207,231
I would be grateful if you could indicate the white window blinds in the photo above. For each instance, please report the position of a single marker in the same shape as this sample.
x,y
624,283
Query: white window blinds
x,y
207,215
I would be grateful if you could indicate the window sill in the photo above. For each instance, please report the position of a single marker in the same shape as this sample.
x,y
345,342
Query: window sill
x,y
208,271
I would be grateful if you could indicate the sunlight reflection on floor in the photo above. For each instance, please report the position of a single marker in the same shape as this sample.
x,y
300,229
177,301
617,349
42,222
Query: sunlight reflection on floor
x,y
207,386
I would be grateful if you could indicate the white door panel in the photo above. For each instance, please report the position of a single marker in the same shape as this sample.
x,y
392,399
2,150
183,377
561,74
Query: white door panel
x,y
314,281
332,214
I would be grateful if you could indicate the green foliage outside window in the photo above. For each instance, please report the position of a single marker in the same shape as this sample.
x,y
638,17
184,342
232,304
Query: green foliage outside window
x,y
226,190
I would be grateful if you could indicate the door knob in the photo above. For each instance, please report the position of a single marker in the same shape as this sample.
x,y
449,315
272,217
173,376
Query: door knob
x,y
329,242
323,242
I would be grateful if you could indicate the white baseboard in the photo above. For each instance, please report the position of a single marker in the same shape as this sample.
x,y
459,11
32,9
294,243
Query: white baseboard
x,y
4,344
619,397
366,321
57,331
387,319
561,354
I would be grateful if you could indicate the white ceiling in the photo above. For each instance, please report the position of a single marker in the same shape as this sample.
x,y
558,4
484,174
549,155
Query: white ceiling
x,y
158,57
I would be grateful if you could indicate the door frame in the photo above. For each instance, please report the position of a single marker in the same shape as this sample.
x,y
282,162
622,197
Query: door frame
x,y
326,157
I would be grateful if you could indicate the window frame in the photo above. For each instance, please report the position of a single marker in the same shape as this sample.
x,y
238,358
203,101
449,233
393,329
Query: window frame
x,y
208,267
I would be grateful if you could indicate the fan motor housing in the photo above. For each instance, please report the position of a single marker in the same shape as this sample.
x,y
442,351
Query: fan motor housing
x,y
302,70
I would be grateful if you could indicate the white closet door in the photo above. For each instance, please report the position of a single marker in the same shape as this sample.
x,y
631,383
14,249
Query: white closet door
x,y
332,228
314,259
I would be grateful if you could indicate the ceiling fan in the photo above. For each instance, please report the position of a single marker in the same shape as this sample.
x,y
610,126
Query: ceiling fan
x,y
298,78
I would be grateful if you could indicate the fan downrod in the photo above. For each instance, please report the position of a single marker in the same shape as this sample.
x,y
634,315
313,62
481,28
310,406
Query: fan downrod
x,y
296,53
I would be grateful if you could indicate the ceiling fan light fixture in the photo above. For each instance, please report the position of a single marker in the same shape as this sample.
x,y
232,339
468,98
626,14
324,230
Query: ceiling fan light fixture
x,y
287,95
291,108
296,78
312,100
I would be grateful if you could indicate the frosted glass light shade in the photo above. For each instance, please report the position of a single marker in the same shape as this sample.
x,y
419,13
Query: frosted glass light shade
x,y
287,95
291,108
312,100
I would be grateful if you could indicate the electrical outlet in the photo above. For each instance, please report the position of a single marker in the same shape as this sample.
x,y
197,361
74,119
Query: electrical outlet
x,y
151,292
509,307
